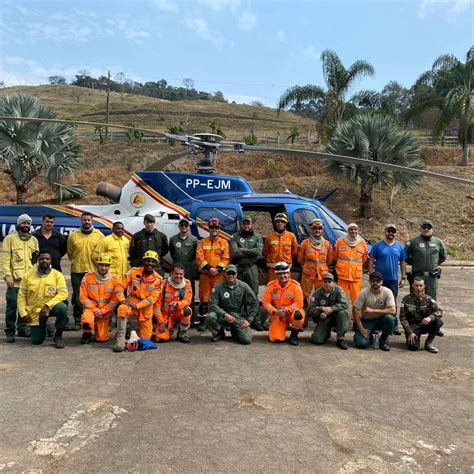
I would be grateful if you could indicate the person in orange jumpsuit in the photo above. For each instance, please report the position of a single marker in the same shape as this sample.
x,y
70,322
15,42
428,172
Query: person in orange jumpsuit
x,y
212,257
280,245
175,308
99,293
283,299
314,256
143,288
350,254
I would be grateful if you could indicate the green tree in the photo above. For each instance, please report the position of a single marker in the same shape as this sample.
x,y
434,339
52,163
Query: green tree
x,y
32,150
449,86
215,128
378,138
338,81
293,135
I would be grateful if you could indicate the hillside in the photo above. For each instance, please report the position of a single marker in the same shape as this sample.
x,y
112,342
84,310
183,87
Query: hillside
x,y
450,207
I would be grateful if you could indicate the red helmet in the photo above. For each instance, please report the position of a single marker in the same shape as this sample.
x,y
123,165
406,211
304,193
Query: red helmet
x,y
214,222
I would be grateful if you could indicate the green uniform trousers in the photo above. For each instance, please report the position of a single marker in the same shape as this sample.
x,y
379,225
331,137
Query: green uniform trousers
x,y
385,324
249,275
38,333
11,314
242,335
322,331
76,279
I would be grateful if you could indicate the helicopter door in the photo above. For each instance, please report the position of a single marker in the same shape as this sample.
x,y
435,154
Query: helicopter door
x,y
227,212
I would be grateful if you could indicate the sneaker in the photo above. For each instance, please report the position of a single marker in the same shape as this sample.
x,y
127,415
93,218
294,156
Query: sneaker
x,y
342,344
431,348
10,339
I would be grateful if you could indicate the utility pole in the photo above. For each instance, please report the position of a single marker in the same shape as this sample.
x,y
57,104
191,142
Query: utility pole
x,y
107,111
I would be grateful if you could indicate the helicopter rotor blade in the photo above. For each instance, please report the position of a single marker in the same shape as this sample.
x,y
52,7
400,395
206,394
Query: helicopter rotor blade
x,y
352,161
161,164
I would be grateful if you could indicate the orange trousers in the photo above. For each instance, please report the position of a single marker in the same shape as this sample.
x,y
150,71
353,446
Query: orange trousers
x,y
278,327
351,289
101,326
172,319
206,284
307,284
145,326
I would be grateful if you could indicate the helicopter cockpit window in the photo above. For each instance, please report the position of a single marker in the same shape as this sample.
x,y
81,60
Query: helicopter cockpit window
x,y
303,219
334,222
227,216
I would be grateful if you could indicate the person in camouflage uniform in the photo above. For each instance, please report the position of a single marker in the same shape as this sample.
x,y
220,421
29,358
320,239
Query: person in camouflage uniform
x,y
420,314
234,306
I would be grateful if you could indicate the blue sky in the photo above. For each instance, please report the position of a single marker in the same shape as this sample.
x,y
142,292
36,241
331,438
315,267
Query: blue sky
x,y
248,49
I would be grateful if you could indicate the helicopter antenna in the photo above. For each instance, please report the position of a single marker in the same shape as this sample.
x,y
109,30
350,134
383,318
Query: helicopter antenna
x,y
270,160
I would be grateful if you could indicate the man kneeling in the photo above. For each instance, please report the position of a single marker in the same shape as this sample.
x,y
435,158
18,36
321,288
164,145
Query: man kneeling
x,y
174,306
420,314
41,296
328,308
234,306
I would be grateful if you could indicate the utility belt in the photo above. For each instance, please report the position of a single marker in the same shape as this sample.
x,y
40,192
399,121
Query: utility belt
x,y
436,273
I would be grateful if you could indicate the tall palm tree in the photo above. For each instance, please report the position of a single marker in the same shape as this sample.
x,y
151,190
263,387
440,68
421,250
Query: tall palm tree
x,y
30,150
338,81
374,137
449,86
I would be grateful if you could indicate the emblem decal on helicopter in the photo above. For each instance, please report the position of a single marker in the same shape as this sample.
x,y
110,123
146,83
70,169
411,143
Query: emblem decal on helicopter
x,y
137,199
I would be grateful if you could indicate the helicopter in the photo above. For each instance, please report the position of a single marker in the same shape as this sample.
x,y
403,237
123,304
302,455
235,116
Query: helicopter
x,y
171,195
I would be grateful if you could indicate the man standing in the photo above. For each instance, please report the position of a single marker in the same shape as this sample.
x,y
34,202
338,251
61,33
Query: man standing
x,y
420,314
142,287
174,308
50,239
100,292
80,249
18,255
350,254
385,257
280,246
234,306
283,299
146,239
116,245
314,256
425,254
212,257
374,310
42,294
328,308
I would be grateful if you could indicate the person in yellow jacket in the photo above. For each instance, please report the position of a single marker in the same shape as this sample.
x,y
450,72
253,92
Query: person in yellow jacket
x,y
41,296
80,249
19,251
314,256
143,287
116,245
280,245
100,293
350,254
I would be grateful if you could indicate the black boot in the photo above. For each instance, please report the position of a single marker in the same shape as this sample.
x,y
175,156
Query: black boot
x,y
58,339
202,324
294,341
384,344
86,337
429,344
219,336
258,326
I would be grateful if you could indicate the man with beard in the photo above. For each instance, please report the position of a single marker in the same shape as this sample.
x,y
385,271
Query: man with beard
x,y
18,254
52,240
116,245
146,239
142,287
374,310
212,257
234,306
100,292
174,307
385,257
80,249
280,246
41,296
314,256
425,254
283,300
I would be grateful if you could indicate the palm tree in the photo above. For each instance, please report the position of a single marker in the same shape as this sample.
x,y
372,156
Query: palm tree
x,y
449,86
29,150
374,137
338,81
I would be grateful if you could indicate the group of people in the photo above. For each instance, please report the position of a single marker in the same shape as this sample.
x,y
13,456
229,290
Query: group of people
x,y
115,275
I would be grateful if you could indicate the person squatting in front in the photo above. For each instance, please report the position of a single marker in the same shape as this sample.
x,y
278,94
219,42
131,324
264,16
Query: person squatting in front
x,y
99,293
142,286
234,306
174,307
41,295
328,308
420,314
283,299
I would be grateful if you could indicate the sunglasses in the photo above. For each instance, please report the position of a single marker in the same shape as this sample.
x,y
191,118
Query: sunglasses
x,y
184,225
391,231
215,227
231,273
426,226
352,228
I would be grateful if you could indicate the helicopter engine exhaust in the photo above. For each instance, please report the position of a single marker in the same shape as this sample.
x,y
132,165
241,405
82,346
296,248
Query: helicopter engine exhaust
x,y
109,191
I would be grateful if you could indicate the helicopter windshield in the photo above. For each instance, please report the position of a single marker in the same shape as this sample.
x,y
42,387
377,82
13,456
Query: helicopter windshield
x,y
227,216
336,224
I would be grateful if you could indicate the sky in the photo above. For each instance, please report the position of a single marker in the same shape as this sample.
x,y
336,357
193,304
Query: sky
x,y
251,50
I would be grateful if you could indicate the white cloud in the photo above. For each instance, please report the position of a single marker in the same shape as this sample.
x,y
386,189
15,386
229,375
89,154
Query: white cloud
x,y
247,21
219,5
310,52
281,36
200,27
166,5
451,7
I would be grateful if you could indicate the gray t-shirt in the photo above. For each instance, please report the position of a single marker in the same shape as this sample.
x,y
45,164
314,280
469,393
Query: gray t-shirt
x,y
368,299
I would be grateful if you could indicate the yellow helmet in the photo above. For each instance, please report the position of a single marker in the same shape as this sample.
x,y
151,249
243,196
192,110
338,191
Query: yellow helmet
x,y
281,216
104,258
151,254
